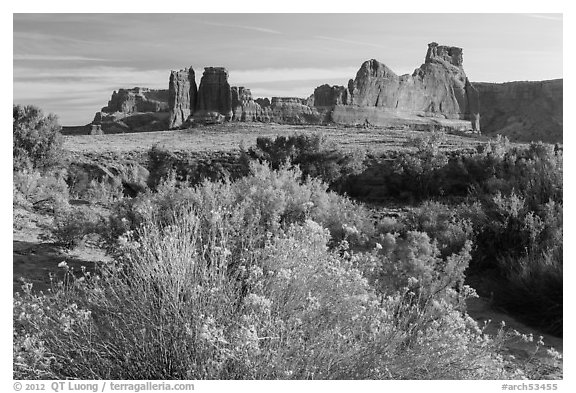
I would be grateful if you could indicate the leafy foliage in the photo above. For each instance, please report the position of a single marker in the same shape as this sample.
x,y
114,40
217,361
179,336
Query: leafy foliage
x,y
314,154
37,142
170,308
42,192
255,269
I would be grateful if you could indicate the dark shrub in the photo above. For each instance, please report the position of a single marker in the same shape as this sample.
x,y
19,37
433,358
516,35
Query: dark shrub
x,y
314,154
37,142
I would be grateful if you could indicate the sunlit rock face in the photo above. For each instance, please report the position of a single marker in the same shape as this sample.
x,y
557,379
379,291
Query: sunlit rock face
x,y
244,108
438,88
137,99
182,96
436,92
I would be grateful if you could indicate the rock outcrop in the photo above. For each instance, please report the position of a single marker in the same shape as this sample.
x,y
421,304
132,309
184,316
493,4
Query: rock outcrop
x,y
182,92
214,97
438,88
131,110
244,108
523,111
292,110
329,96
138,99
437,95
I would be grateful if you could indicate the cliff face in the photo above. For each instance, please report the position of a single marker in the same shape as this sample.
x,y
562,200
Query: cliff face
x,y
136,109
293,110
244,108
182,92
329,96
438,88
138,99
523,111
214,96
438,95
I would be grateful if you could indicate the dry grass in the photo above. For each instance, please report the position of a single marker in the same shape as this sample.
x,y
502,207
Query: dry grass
x,y
228,137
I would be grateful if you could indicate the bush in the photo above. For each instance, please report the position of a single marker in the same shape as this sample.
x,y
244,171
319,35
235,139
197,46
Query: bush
x,y
421,168
104,192
191,168
526,248
37,142
170,309
48,192
264,202
450,226
267,277
71,226
314,154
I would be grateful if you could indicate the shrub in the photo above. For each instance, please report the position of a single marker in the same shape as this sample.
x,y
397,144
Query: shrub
x,y
527,249
71,226
314,154
37,142
170,309
264,202
48,192
420,169
104,192
191,168
450,226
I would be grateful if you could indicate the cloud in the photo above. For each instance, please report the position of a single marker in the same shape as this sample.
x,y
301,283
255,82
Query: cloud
x,y
352,42
46,37
30,57
102,76
290,74
253,28
75,94
556,17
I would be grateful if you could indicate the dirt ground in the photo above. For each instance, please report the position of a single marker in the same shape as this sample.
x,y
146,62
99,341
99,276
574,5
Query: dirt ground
x,y
227,137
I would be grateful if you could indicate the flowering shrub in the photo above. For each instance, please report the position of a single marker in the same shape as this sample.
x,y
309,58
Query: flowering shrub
x,y
261,203
267,277
170,309
450,226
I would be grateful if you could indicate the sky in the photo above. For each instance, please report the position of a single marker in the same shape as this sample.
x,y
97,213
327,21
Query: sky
x,y
69,64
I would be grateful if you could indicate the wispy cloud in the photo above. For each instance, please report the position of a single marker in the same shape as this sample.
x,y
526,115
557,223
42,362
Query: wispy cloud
x,y
98,75
31,57
290,74
556,17
76,93
48,37
352,42
253,28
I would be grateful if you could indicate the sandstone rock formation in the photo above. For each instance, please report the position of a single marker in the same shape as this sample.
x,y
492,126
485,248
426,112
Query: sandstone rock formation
x,y
138,99
182,92
214,96
438,88
437,95
329,96
523,111
292,110
136,109
244,108
263,102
